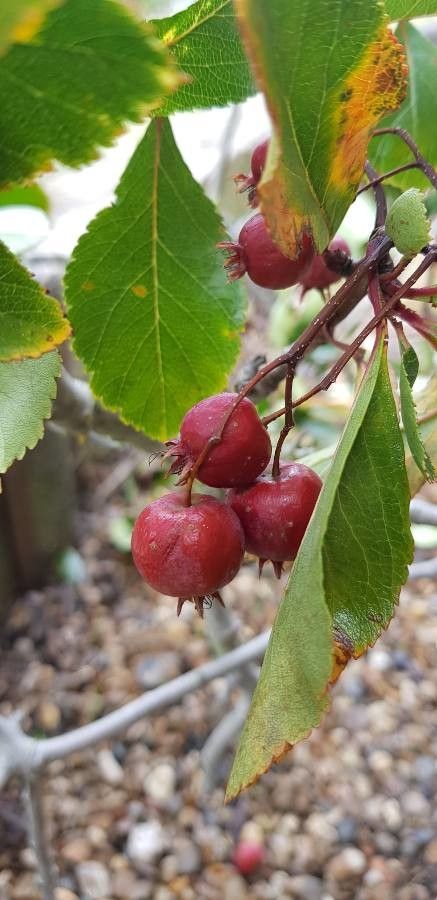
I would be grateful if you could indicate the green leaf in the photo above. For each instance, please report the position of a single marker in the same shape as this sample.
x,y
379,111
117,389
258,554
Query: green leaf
x,y
20,19
407,376
70,89
27,388
417,114
346,577
426,407
407,223
25,195
31,323
320,66
155,323
205,43
410,9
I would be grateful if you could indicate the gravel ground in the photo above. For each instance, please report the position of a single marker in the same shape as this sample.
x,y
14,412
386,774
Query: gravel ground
x,y
349,814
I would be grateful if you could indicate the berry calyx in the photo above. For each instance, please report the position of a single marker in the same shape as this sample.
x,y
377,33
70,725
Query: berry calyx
x,y
248,856
275,511
318,274
240,456
257,254
189,552
257,164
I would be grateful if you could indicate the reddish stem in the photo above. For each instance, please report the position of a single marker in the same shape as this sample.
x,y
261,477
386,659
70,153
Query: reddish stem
x,y
289,422
374,181
422,163
333,374
417,293
418,323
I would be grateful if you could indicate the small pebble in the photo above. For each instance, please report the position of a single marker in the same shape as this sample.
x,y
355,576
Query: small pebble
x,y
109,768
146,842
94,880
160,784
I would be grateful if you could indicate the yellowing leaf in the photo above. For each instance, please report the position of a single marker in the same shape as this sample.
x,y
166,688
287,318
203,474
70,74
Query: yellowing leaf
x,y
31,323
90,68
329,72
344,584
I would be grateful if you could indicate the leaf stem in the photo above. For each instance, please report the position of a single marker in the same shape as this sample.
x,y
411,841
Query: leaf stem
x,y
422,163
374,181
334,372
289,421
380,198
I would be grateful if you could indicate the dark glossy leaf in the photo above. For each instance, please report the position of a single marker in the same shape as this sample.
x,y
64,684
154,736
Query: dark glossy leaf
x,y
205,43
344,584
155,323
70,88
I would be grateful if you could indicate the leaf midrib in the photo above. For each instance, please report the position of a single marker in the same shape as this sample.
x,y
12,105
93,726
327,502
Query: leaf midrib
x,y
154,266
196,24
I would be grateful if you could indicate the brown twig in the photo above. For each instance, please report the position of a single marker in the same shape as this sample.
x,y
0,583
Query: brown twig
x,y
422,163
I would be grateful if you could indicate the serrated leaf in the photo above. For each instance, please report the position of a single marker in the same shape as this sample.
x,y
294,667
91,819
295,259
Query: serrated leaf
x,y
205,43
407,376
426,408
155,323
329,72
346,577
410,9
27,389
417,114
31,323
20,19
90,68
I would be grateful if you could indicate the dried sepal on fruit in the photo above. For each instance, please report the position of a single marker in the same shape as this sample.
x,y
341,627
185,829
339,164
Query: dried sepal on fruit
x,y
256,254
249,182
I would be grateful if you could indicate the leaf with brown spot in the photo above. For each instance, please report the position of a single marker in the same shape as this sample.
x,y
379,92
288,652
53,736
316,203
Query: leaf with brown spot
x,y
31,323
344,584
329,71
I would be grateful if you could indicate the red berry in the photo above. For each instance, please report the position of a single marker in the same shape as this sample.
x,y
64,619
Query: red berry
x,y
275,511
318,275
257,164
258,255
241,455
188,551
247,856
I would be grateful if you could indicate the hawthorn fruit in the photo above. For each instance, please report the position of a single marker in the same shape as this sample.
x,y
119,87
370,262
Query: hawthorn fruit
x,y
189,552
275,511
242,453
318,274
249,182
257,254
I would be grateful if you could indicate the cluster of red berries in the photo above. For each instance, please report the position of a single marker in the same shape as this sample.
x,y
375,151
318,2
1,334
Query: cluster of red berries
x,y
190,546
257,254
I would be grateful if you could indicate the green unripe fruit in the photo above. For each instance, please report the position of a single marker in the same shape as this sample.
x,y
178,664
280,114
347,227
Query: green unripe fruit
x,y
407,223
